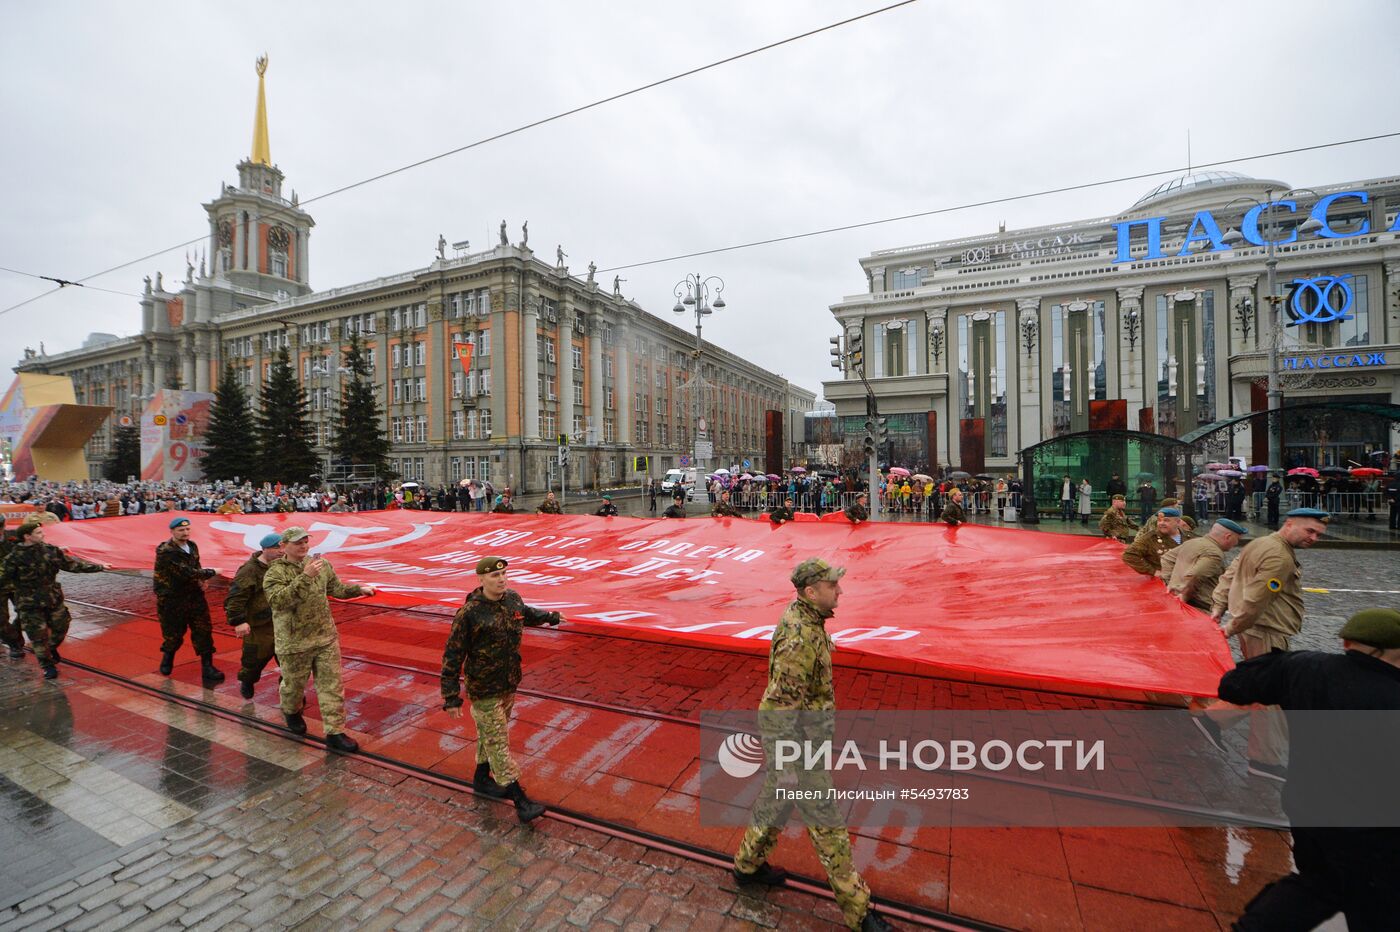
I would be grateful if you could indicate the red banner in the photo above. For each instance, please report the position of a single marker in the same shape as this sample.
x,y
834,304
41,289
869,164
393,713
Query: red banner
x,y
1003,605
463,352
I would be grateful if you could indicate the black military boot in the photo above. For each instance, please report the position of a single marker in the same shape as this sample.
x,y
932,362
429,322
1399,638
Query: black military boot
x,y
51,673
871,922
245,689
765,874
342,743
53,652
295,723
167,662
211,674
16,653
484,784
526,810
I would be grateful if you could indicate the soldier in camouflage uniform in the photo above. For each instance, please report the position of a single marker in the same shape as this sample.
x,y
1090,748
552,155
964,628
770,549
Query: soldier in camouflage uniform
x,y
1115,522
485,639
30,574
9,630
247,611
180,601
304,635
858,511
724,508
953,511
550,505
781,513
800,700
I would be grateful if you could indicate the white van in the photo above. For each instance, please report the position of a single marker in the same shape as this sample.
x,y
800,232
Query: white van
x,y
686,477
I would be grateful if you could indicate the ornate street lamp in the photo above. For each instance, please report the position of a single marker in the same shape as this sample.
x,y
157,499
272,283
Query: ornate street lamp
x,y
693,293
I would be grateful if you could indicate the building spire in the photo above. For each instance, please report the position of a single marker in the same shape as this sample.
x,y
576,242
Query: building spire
x,y
262,153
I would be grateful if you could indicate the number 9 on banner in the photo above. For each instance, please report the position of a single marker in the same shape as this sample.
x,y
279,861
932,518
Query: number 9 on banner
x,y
179,453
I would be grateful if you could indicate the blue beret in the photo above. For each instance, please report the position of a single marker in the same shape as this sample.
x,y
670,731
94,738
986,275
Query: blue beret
x,y
1317,513
177,522
270,540
1229,525
1170,512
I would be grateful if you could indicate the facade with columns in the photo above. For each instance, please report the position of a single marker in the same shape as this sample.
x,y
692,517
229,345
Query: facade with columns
x,y
981,347
553,354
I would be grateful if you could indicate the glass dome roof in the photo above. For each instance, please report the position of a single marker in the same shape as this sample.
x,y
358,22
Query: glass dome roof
x,y
1188,182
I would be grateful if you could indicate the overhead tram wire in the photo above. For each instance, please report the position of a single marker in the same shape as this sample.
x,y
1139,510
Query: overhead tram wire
x,y
998,200
510,132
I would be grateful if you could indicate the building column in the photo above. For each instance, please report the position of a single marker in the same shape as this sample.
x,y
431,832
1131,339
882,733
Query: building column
x,y
1132,336
500,385
238,238
596,413
301,258
1243,287
1391,300
1025,341
188,368
201,366
936,347
622,380
439,359
530,365
158,370
564,367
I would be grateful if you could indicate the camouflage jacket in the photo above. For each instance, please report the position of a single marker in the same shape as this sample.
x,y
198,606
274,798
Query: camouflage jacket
x,y
503,508
606,510
6,545
246,602
30,575
799,663
301,615
1144,554
549,508
178,574
485,640
674,510
953,514
857,513
724,510
780,514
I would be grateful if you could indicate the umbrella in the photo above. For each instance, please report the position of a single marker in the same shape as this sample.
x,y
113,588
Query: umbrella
x,y
1367,472
1146,475
409,485
1231,473
959,474
1207,477
1303,471
829,473
1334,471
797,469
898,471
772,477
721,471
985,475
1215,466
921,477
1258,469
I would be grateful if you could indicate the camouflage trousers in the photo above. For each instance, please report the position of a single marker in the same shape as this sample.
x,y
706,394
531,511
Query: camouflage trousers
x,y
257,651
492,717
177,616
830,839
46,631
323,665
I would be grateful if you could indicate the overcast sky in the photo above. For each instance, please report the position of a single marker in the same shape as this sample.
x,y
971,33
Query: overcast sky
x,y
120,120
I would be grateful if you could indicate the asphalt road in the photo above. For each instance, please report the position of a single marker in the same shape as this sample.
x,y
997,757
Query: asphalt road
x,y
1335,570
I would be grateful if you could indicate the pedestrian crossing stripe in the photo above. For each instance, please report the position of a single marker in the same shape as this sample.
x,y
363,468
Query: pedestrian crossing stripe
x,y
1363,591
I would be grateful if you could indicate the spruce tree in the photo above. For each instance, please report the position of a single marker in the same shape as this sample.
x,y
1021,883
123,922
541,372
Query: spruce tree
x,y
285,453
359,431
231,440
126,455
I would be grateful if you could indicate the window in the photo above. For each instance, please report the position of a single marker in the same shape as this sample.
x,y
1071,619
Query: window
x,y
548,424
578,392
549,388
422,389
576,352
395,321
608,366
420,319
483,343
457,380
660,405
454,469
397,395
578,426
371,360
485,426
422,428
396,354
906,278
420,353
469,467
608,398
608,430
397,428
483,468
485,381
547,350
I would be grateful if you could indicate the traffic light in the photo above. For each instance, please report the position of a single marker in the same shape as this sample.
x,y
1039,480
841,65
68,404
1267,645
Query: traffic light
x,y
855,348
835,352
882,431
868,442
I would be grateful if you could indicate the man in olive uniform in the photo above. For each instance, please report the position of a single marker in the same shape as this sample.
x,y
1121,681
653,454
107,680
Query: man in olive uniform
x,y
485,639
1193,569
1144,554
9,630
675,510
304,635
953,511
1115,522
1350,870
781,513
30,574
247,611
857,510
607,509
180,603
504,507
1263,592
799,682
724,508
550,506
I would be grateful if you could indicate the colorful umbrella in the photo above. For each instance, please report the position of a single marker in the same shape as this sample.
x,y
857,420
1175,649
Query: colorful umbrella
x,y
1215,466
772,477
921,477
1367,472
1258,469
797,469
721,472
1208,477
1231,473
1303,471
898,471
959,474
1334,471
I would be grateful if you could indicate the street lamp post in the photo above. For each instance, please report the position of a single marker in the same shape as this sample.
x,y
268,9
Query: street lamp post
x,y
693,292
1275,328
